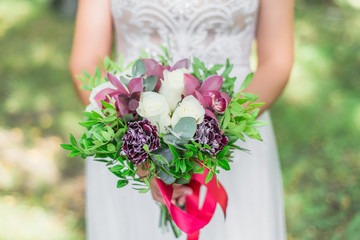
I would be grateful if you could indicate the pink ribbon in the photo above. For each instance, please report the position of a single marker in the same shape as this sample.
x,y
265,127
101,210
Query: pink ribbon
x,y
195,217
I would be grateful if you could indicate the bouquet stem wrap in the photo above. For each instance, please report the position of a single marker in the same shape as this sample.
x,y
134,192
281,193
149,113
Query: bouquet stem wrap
x,y
195,217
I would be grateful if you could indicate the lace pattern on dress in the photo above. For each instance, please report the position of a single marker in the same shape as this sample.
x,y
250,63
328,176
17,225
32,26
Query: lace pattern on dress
x,y
212,30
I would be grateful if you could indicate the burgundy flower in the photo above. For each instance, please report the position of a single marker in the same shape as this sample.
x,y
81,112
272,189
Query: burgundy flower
x,y
208,132
140,133
126,98
208,93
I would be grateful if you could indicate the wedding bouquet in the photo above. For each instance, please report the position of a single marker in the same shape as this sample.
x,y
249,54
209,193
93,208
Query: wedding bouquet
x,y
177,124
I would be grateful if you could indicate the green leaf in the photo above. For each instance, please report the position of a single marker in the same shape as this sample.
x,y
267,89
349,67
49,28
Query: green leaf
x,y
222,153
216,67
138,69
207,146
107,105
146,181
196,144
90,115
209,176
252,97
67,146
200,156
150,83
255,112
259,123
183,165
246,82
88,75
173,151
111,147
88,124
107,62
146,148
186,127
241,100
188,155
191,147
199,170
97,73
73,140
106,135
257,104
145,190
226,118
74,153
144,54
116,170
224,164
122,183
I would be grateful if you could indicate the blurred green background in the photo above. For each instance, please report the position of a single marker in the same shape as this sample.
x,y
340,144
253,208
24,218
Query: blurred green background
x,y
317,123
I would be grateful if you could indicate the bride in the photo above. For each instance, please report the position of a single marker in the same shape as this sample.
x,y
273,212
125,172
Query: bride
x,y
212,30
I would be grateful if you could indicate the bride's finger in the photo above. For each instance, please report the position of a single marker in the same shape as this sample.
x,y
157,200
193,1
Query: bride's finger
x,y
181,200
181,191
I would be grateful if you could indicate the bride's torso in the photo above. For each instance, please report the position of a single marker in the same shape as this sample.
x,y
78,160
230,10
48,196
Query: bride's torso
x,y
212,30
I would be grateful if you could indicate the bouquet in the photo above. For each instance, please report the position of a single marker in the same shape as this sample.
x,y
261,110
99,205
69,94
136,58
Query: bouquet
x,y
178,125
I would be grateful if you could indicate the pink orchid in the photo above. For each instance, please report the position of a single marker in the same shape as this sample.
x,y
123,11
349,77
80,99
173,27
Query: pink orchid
x,y
153,68
126,98
208,93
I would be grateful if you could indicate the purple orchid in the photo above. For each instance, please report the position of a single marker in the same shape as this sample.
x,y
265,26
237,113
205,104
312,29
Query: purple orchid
x,y
153,68
126,98
208,93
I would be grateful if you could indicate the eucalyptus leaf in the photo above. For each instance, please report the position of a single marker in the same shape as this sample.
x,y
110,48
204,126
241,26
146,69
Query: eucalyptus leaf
x,y
182,181
166,178
186,127
138,69
128,117
124,80
150,83
177,143
165,153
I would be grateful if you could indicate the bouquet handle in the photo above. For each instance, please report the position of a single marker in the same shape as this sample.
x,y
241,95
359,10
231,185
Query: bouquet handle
x,y
195,217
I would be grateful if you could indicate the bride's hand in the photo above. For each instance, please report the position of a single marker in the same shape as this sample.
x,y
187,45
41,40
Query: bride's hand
x,y
179,193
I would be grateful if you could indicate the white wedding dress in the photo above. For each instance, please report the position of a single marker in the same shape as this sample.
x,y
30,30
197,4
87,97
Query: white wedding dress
x,y
212,30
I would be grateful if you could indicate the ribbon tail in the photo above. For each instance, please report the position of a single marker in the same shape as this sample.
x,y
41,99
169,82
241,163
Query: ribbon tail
x,y
193,236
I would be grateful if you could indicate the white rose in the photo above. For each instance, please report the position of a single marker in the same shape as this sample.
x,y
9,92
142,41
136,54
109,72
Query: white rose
x,y
189,107
172,87
154,108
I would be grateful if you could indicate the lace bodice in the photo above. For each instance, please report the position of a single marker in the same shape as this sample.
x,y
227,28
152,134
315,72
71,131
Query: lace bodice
x,y
212,30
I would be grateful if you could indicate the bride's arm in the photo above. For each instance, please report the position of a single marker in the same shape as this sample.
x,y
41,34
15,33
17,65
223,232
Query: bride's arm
x,y
275,50
92,40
